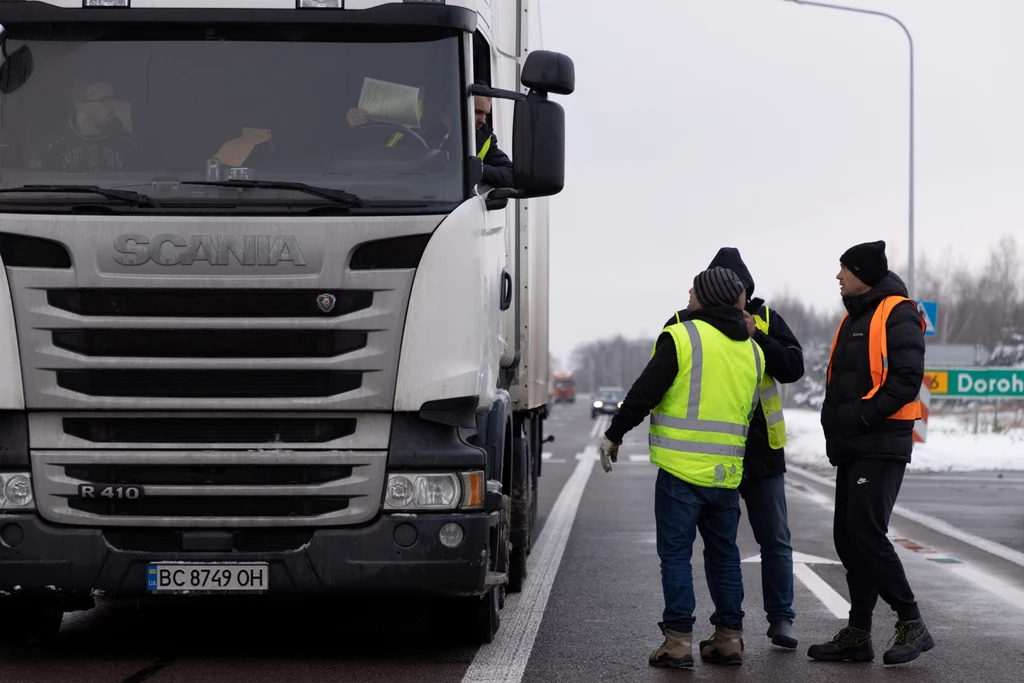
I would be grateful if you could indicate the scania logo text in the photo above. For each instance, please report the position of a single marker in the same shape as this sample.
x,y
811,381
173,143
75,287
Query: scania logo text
x,y
174,250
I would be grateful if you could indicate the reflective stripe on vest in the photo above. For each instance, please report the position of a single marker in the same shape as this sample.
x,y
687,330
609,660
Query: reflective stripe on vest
x,y
696,433
485,149
395,139
878,354
771,402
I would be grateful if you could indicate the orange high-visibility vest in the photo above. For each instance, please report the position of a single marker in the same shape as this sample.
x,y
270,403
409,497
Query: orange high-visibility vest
x,y
878,352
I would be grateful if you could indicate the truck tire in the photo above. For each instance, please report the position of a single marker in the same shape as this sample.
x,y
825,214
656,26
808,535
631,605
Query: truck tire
x,y
522,503
37,619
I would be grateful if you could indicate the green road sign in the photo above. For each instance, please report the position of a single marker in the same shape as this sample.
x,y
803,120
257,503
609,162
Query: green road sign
x,y
976,382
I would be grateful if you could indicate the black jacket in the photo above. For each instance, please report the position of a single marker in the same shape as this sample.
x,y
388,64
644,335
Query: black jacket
x,y
656,379
858,428
497,165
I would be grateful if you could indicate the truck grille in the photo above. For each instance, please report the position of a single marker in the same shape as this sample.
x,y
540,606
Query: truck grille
x,y
205,506
209,475
209,430
173,540
211,489
209,343
206,303
209,383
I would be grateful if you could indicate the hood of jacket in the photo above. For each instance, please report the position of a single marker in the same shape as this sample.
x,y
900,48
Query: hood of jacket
x,y
729,257
890,285
728,320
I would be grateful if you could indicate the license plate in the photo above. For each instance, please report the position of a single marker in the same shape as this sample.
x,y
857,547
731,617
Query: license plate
x,y
207,577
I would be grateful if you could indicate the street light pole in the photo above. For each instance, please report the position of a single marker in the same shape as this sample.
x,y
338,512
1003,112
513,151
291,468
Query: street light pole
x,y
910,259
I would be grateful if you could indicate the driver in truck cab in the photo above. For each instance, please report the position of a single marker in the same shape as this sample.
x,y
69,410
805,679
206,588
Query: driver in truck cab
x,y
94,138
497,165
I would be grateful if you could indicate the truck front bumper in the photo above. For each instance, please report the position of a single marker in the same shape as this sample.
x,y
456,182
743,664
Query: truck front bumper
x,y
395,554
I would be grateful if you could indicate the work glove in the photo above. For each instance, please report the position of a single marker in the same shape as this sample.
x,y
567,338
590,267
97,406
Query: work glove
x,y
609,453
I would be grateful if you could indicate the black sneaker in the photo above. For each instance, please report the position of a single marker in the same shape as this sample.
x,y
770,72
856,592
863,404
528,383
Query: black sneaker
x,y
850,645
912,638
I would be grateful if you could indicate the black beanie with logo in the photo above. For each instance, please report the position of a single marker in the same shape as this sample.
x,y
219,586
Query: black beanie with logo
x,y
867,261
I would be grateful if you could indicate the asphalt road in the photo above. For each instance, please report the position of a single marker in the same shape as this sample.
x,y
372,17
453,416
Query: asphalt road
x,y
593,599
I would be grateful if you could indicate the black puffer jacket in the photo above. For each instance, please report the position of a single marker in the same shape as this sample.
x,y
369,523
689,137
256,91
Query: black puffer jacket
x,y
858,428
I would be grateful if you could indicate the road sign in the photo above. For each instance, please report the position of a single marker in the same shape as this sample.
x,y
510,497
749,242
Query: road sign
x,y
929,310
976,382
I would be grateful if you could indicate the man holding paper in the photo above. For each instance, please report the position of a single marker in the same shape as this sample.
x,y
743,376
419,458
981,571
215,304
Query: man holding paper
x,y
402,105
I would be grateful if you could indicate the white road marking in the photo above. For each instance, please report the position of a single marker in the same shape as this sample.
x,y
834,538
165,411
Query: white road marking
x,y
546,455
802,558
557,460
835,602
505,659
935,524
828,596
993,584
640,457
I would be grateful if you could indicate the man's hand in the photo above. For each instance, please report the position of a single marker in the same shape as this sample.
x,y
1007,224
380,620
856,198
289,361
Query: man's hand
x,y
751,325
357,117
609,453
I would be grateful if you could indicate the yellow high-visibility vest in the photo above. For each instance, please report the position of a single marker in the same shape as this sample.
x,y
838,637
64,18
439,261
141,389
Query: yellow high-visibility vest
x,y
771,401
698,432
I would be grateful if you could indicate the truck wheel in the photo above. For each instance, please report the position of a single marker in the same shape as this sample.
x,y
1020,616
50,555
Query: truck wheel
x,y
471,621
36,619
522,489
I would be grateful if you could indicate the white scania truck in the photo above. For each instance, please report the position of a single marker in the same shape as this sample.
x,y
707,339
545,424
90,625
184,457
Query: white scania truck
x,y
264,328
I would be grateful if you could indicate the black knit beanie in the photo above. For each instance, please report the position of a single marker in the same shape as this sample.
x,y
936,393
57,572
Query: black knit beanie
x,y
717,287
867,261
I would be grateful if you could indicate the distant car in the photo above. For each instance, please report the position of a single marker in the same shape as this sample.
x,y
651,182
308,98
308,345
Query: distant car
x,y
607,401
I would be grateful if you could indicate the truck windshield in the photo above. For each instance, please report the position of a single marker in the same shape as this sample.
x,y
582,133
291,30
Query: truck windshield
x,y
148,108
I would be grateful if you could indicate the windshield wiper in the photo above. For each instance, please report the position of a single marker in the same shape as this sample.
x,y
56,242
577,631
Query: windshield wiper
x,y
133,198
339,196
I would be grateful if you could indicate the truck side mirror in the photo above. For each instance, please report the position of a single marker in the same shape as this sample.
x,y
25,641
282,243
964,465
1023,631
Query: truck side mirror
x,y
549,72
538,132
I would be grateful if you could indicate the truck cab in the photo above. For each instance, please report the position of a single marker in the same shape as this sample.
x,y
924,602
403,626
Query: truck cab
x,y
264,328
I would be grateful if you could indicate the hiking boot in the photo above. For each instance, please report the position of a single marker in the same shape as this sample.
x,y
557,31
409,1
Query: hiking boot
x,y
676,652
912,638
850,645
781,633
724,647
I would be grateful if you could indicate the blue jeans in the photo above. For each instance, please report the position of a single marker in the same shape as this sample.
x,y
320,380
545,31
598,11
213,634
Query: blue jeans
x,y
766,507
680,510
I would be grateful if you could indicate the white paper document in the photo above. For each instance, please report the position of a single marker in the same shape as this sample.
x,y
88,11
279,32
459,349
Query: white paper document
x,y
390,102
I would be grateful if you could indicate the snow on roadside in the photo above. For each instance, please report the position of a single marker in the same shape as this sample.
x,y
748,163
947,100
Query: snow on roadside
x,y
950,447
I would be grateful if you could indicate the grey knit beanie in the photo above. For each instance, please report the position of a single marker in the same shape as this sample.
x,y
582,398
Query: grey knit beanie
x,y
717,287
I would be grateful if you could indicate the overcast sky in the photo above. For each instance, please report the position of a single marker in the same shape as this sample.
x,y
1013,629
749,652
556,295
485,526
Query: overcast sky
x,y
779,129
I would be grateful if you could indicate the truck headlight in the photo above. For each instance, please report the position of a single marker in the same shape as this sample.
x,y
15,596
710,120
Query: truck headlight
x,y
414,491
16,492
